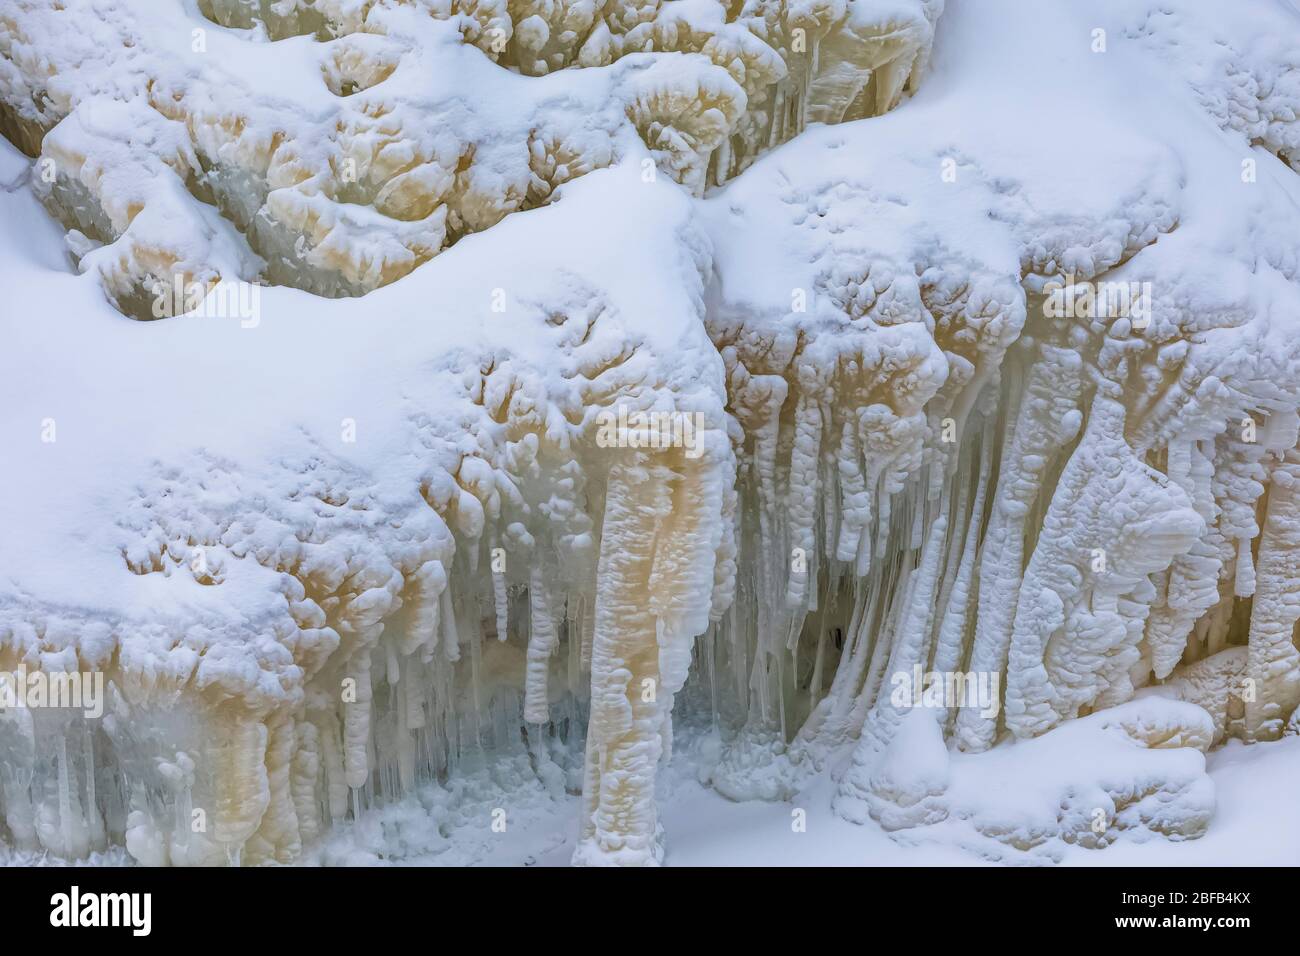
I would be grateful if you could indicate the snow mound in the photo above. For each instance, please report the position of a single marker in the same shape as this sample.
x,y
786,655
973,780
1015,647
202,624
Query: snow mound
x,y
1130,772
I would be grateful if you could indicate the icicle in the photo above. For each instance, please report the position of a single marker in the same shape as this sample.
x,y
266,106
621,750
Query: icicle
x,y
815,682
909,653
722,157
911,635
67,849
1244,584
955,617
1273,662
588,632
801,502
955,501
306,770
335,778
624,737
450,636
1046,418
473,626
96,822
542,638
242,791
778,109
500,597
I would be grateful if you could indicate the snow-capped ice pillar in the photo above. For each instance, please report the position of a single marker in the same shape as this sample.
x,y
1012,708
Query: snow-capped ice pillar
x,y
1273,663
542,639
243,789
623,742
1112,522
1048,418
1191,586
661,535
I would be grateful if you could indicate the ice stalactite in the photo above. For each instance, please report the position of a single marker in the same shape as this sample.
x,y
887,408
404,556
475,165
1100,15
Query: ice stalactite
x,y
542,639
240,769
661,534
623,737
798,463
1047,418
955,620
1273,660
1083,604
910,650
1191,585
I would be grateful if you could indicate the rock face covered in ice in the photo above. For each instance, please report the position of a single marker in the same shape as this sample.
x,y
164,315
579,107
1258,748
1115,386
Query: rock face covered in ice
x,y
1032,411
370,136
519,345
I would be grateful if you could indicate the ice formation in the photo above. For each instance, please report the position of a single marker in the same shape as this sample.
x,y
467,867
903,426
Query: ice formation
x,y
966,374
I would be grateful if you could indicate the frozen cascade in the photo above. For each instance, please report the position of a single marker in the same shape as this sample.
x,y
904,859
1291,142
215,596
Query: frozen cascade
x,y
902,447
